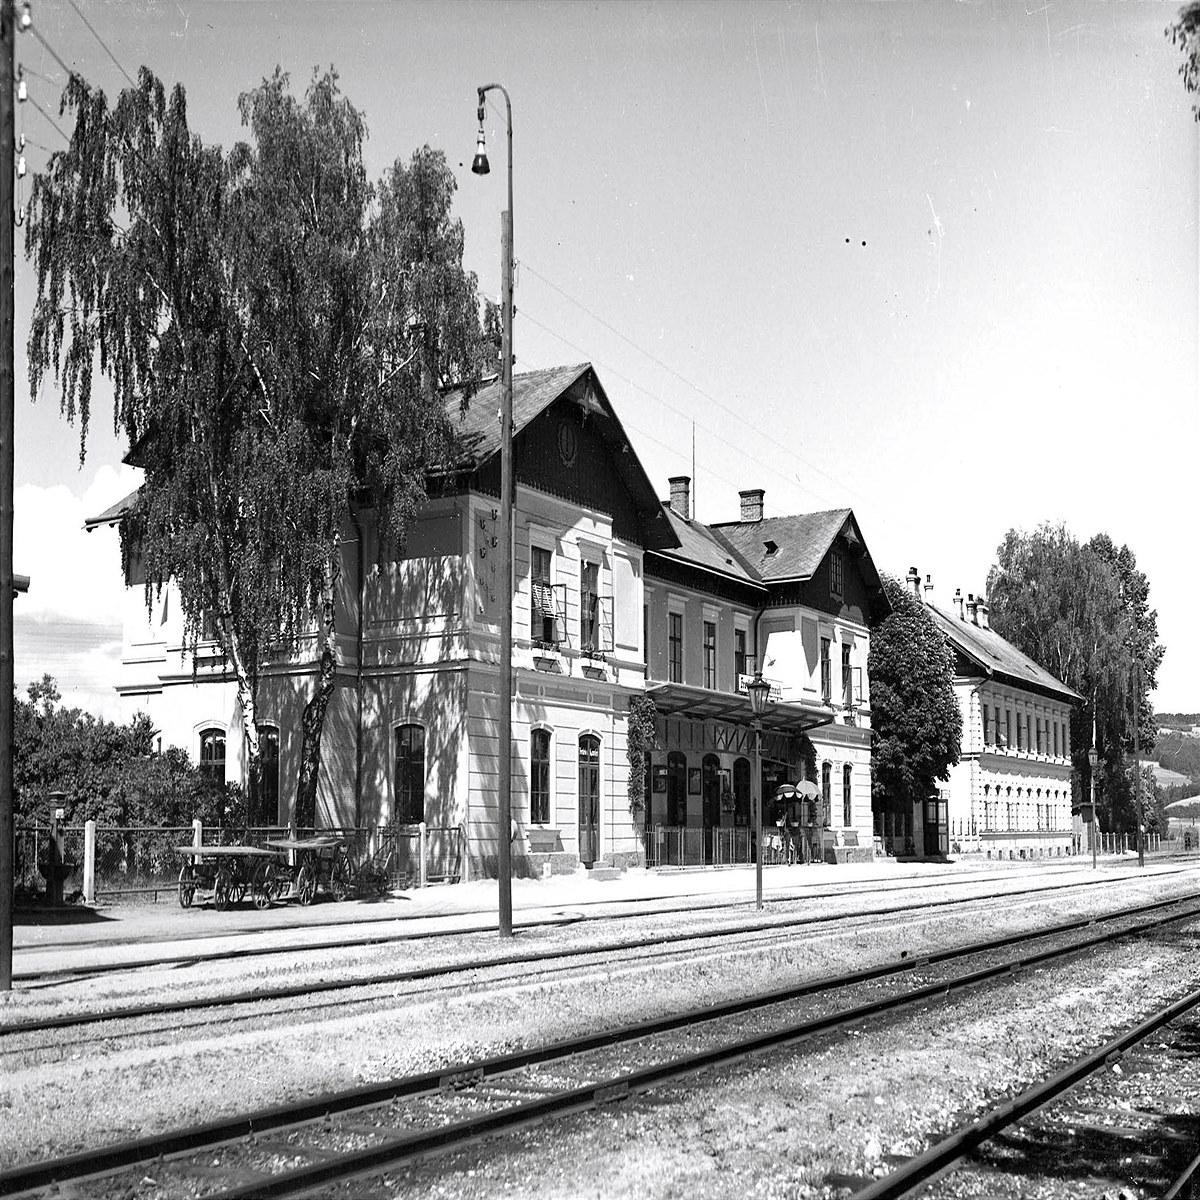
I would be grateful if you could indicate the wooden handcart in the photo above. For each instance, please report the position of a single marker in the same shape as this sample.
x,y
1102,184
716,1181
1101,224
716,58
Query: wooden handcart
x,y
315,862
227,873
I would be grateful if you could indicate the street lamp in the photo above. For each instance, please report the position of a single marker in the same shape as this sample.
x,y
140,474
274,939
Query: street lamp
x,y
759,690
1093,758
504,814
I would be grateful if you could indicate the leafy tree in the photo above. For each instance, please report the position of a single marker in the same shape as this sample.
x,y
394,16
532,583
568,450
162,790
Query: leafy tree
x,y
274,328
1082,612
1184,32
916,723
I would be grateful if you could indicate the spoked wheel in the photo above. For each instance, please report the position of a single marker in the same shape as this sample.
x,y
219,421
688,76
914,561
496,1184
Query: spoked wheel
x,y
222,890
340,883
263,887
187,885
306,884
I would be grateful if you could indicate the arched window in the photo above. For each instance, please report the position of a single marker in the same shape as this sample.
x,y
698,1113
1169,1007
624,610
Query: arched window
x,y
410,774
212,754
847,807
539,777
589,798
826,793
266,804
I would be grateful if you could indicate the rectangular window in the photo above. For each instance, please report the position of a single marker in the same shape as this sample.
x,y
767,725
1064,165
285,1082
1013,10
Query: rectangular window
x,y
1039,735
539,777
826,672
1055,725
739,653
646,636
1028,732
1020,732
541,597
986,732
837,573
1008,726
589,606
675,647
996,714
710,654
847,679
847,806
826,794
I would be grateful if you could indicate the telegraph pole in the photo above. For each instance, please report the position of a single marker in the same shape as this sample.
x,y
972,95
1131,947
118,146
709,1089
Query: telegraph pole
x,y
7,878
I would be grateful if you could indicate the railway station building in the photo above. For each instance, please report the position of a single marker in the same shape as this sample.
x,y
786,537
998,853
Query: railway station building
x,y
1009,796
616,595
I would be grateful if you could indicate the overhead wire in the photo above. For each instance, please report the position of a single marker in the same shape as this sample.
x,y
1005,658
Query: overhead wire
x,y
103,43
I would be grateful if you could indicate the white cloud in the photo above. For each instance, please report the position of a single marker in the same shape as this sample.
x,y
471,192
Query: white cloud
x,y
69,623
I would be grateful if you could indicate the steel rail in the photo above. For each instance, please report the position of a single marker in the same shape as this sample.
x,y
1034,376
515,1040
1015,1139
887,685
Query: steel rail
x,y
889,887
208,1136
944,1155
526,958
1186,1179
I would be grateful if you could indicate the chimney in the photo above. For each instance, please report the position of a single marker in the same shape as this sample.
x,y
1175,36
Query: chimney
x,y
681,495
958,602
928,589
983,614
914,581
752,504
972,609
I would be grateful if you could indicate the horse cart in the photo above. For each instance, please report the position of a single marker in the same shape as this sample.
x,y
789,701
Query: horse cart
x,y
227,873
303,865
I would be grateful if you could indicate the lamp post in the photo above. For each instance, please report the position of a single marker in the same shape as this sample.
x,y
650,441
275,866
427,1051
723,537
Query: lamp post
x,y
1137,753
479,166
759,690
1092,760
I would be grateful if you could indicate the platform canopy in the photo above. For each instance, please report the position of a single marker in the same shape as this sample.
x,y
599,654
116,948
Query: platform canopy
x,y
704,704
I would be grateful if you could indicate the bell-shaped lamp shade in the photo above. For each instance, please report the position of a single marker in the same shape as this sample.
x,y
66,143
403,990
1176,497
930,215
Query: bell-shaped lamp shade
x,y
480,165
759,690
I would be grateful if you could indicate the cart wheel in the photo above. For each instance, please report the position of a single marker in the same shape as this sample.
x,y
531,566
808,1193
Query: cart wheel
x,y
264,885
222,890
237,891
187,885
306,884
340,882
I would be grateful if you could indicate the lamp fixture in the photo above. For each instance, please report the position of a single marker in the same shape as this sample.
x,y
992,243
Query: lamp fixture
x,y
480,164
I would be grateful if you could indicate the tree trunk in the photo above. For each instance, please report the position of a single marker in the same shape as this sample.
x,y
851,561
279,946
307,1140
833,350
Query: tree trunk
x,y
313,720
248,702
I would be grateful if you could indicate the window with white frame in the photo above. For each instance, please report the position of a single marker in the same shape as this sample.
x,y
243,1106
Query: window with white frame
x,y
589,606
675,647
410,774
826,672
539,777
541,596
837,574
826,794
710,654
847,793
212,754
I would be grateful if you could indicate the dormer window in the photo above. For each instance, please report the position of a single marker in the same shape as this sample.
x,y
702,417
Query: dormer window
x,y
771,548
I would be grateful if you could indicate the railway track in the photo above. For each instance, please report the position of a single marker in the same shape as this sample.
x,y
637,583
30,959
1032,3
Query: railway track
x,y
23,977
350,1134
1107,1115
517,966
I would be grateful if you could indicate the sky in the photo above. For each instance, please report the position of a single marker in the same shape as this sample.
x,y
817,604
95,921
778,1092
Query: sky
x,y
935,262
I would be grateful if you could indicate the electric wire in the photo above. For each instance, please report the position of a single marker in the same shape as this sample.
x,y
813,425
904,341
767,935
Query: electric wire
x,y
92,31
33,29
50,119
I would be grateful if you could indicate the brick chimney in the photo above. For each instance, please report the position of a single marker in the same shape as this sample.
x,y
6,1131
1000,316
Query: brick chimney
x,y
914,581
972,609
681,495
928,589
982,609
958,602
752,504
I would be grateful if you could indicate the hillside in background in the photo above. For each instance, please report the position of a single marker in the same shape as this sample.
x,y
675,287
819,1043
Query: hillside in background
x,y
1177,720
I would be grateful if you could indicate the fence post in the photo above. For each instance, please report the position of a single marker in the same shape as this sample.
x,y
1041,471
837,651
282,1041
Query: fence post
x,y
197,833
89,862
423,845
464,853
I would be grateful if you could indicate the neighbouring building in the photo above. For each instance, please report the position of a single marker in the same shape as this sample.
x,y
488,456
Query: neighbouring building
x,y
1009,796
615,595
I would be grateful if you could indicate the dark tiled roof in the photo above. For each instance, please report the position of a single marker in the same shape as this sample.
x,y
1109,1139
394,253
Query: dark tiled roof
x,y
113,514
997,656
478,428
700,546
801,542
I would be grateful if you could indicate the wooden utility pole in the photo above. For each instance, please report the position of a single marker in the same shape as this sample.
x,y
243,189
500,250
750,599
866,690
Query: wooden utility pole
x,y
7,145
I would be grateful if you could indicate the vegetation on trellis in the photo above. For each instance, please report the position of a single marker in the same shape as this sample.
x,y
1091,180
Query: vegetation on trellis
x,y
275,329
643,713
1082,611
916,723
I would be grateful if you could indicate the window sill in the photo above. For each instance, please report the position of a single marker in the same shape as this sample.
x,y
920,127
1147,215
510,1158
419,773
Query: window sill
x,y
546,660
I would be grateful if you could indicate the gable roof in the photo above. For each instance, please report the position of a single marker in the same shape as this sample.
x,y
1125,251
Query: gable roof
x,y
701,546
801,540
996,656
113,514
477,431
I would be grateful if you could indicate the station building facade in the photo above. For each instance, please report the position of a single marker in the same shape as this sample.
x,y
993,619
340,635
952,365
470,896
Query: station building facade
x,y
615,595
1009,796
